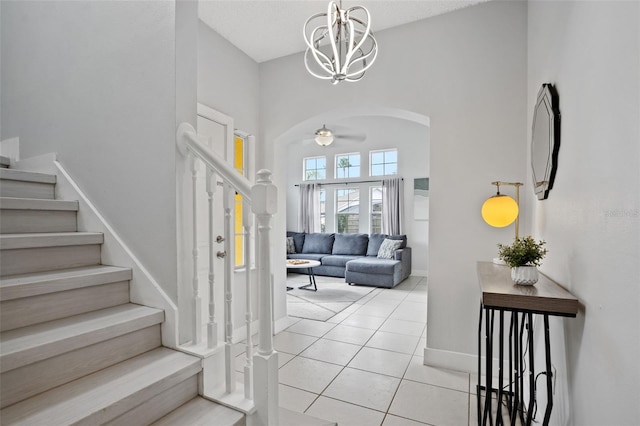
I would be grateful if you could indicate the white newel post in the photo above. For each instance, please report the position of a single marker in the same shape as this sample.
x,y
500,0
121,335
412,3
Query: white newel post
x,y
264,205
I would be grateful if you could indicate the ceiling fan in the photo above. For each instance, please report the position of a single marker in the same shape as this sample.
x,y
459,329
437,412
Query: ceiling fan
x,y
326,136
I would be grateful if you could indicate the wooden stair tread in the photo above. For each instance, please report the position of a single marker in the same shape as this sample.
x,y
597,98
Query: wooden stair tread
x,y
13,203
33,284
106,394
34,343
49,239
24,176
201,412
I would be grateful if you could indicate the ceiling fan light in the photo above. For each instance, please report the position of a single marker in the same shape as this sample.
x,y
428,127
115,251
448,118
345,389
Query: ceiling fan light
x,y
324,136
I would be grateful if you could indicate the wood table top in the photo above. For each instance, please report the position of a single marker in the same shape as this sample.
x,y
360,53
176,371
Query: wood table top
x,y
545,296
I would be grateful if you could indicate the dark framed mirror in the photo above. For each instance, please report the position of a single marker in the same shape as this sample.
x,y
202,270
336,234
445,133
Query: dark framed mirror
x,y
545,141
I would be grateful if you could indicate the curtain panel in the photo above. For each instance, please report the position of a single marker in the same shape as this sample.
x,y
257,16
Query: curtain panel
x,y
309,212
392,206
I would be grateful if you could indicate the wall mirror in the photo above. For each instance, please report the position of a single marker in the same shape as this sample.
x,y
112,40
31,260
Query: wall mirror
x,y
545,141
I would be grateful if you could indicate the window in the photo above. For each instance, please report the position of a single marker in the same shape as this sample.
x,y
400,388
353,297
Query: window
x,y
376,209
347,166
239,163
348,210
384,162
315,168
323,210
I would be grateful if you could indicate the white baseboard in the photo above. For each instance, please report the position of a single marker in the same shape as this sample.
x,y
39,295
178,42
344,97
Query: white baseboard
x,y
458,361
451,360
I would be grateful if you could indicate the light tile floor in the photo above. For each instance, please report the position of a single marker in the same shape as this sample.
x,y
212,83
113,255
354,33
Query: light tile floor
x,y
365,366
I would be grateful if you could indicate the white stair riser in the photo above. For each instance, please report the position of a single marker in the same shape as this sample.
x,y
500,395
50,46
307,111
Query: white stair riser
x,y
160,405
27,221
46,307
21,189
24,382
24,261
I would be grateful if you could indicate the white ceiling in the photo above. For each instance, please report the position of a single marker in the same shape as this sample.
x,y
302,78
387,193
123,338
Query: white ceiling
x,y
268,29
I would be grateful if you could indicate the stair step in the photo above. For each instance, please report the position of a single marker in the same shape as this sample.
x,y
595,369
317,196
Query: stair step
x,y
48,239
24,382
12,203
200,412
32,215
38,283
38,252
34,343
23,184
49,306
107,394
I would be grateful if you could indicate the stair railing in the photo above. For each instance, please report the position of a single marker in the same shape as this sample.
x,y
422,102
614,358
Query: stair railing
x,y
260,394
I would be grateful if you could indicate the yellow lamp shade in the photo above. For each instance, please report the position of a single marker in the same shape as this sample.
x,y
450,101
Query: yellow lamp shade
x,y
500,211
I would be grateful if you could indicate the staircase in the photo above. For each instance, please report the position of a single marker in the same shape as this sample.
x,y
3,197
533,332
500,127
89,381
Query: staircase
x,y
73,350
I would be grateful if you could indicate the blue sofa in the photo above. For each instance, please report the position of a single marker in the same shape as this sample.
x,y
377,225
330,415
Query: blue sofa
x,y
353,257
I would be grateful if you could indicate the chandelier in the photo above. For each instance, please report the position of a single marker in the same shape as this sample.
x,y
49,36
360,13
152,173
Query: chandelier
x,y
340,44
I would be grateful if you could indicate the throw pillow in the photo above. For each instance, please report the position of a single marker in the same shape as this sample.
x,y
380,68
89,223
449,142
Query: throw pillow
x,y
291,247
388,247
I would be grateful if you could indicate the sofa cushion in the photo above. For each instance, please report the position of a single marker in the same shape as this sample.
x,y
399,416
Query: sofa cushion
x,y
388,248
298,240
318,243
337,260
350,244
402,238
374,243
372,265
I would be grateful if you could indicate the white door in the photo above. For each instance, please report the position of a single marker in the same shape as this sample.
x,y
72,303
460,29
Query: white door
x,y
216,131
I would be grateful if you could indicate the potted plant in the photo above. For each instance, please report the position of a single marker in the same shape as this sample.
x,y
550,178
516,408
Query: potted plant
x,y
523,256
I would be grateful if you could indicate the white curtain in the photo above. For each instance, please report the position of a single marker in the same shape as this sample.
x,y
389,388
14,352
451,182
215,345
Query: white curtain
x,y
309,212
392,206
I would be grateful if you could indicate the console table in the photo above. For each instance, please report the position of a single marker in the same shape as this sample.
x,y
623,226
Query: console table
x,y
499,294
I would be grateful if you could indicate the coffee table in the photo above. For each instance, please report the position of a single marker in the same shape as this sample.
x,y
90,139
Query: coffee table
x,y
309,265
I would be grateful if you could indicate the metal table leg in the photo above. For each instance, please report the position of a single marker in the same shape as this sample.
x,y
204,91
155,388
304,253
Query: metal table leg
x,y
479,387
312,281
547,352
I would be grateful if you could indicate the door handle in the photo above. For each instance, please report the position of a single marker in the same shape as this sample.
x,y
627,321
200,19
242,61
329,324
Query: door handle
x,y
221,254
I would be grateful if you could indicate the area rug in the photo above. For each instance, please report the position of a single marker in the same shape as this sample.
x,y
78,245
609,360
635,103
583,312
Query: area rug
x,y
333,296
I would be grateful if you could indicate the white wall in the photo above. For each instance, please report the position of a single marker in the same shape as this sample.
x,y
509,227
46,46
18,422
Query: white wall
x,y
466,71
411,140
95,82
228,80
591,221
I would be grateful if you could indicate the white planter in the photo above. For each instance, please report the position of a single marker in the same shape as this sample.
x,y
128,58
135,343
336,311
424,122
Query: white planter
x,y
524,275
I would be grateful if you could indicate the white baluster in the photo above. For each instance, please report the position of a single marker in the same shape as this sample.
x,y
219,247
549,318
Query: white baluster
x,y
197,304
212,326
248,368
264,205
229,264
